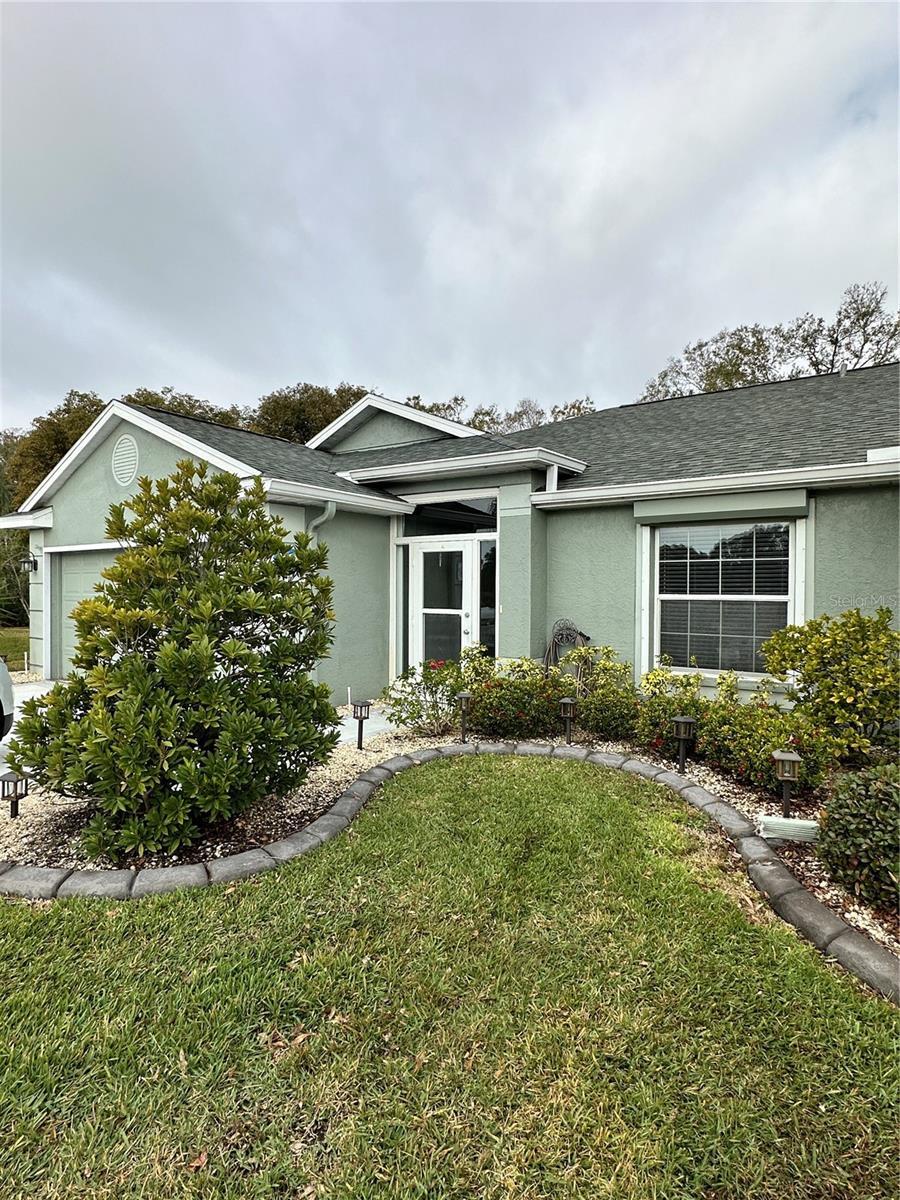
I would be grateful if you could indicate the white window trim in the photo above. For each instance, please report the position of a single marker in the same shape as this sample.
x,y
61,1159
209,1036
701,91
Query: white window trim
x,y
649,599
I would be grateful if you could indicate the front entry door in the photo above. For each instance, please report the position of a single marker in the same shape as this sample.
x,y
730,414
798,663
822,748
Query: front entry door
x,y
443,619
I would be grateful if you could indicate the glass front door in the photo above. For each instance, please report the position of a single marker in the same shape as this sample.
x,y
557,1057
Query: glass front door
x,y
452,596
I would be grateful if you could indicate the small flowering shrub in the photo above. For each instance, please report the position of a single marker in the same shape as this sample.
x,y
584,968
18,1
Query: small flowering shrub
x,y
520,703
423,699
844,674
858,839
607,696
663,695
738,739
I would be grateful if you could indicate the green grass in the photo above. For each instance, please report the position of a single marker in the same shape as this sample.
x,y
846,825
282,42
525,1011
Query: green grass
x,y
510,979
13,645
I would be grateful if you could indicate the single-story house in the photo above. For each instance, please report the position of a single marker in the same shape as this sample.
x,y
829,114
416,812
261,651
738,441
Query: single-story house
x,y
689,527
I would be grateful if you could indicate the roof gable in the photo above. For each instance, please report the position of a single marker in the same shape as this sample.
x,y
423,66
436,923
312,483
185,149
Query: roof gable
x,y
408,425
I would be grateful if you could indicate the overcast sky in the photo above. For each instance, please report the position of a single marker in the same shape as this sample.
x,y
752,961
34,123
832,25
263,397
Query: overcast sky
x,y
499,200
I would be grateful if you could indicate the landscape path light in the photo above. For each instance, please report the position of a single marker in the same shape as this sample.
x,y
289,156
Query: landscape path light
x,y
684,734
13,788
787,768
465,703
360,714
567,712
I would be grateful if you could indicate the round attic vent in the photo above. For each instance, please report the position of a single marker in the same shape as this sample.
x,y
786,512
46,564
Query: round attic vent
x,y
125,459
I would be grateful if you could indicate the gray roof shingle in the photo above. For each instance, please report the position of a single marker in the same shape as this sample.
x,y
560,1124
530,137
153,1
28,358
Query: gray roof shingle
x,y
804,422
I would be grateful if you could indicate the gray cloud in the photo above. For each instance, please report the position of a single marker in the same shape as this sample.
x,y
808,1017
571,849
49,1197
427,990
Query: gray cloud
x,y
500,200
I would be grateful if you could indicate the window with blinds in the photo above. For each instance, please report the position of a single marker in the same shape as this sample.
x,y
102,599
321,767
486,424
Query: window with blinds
x,y
722,589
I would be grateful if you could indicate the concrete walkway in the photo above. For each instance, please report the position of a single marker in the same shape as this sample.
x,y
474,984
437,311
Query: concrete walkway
x,y
24,691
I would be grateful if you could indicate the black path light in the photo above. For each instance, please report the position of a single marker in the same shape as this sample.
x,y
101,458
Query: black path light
x,y
787,768
13,788
465,703
567,712
360,714
684,734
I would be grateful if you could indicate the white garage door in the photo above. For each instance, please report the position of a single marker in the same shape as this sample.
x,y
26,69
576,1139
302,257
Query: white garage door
x,y
78,573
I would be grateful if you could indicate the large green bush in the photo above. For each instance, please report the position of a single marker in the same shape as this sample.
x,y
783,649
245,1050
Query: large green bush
x,y
858,839
739,738
607,696
844,673
195,697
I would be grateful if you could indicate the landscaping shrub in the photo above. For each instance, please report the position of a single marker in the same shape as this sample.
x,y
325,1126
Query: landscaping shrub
x,y
519,701
663,695
423,698
844,673
607,696
739,738
858,839
196,698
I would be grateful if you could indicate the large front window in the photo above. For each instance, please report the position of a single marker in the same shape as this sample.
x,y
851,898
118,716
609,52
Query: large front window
x,y
722,590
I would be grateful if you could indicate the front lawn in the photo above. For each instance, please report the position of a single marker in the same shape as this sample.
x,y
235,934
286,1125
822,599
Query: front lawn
x,y
14,646
511,979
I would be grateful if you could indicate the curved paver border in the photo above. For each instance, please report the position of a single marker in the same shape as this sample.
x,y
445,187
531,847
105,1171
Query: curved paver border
x,y
874,964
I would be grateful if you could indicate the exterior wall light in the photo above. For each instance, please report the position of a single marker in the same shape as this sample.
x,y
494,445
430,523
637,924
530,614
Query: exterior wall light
x,y
465,703
567,712
684,733
787,768
13,788
28,564
360,713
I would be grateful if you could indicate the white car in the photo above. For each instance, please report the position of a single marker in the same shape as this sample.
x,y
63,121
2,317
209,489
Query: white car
x,y
6,701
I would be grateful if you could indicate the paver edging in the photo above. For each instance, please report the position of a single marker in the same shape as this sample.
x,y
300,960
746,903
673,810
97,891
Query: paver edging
x,y
859,954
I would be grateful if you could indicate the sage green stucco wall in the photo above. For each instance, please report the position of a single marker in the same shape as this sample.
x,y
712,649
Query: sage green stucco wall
x,y
384,429
359,564
856,561
591,574
81,504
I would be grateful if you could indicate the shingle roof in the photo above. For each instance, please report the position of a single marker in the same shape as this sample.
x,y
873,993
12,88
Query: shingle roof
x,y
807,422
814,421
275,457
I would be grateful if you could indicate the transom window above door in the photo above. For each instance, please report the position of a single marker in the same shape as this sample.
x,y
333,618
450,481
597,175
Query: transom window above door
x,y
452,517
721,590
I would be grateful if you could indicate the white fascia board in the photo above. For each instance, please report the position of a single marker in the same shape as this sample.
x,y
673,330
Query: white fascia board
x,y
116,411
289,492
471,464
441,424
41,518
752,481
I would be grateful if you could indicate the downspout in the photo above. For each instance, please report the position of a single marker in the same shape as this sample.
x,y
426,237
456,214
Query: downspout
x,y
326,515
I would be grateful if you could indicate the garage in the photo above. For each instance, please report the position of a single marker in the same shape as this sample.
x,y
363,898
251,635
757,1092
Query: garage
x,y
76,572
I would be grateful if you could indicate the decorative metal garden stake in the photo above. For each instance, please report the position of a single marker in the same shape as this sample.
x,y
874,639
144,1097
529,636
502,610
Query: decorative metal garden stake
x,y
13,788
787,768
567,712
465,700
360,714
684,733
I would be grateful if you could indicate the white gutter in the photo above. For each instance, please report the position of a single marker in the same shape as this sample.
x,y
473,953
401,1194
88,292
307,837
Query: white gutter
x,y
41,518
306,493
710,485
499,460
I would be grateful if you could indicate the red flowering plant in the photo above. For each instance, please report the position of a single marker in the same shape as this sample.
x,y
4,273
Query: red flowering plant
x,y
518,701
423,698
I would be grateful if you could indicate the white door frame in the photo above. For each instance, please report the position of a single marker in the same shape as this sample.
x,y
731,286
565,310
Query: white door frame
x,y
467,612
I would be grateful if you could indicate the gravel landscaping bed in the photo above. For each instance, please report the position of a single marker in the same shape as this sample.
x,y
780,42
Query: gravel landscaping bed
x,y
47,831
